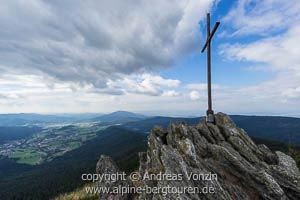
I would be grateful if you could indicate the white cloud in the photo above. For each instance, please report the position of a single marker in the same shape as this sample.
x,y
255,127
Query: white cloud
x,y
262,17
292,92
158,80
143,84
201,86
171,93
279,52
27,93
276,50
195,95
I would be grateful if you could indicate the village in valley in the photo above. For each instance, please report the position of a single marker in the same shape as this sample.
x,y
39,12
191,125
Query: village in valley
x,y
49,143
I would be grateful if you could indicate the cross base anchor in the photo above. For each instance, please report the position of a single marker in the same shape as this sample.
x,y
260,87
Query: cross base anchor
x,y
210,116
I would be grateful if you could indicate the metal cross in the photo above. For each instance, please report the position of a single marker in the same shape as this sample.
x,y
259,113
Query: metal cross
x,y
209,113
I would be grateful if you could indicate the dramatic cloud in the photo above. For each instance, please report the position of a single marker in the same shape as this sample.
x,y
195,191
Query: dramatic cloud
x,y
94,41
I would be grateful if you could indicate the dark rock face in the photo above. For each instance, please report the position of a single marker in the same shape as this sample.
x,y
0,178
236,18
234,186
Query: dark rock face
x,y
241,169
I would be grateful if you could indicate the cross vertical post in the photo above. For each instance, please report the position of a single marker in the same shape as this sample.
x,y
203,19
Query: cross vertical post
x,y
209,110
207,46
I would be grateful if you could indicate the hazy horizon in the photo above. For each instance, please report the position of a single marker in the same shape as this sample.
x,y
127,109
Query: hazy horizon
x,y
296,115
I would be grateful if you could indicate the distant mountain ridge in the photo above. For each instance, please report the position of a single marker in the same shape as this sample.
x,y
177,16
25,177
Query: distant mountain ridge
x,y
120,117
284,129
21,119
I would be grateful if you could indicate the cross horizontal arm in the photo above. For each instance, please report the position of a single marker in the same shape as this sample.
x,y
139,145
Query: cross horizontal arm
x,y
210,36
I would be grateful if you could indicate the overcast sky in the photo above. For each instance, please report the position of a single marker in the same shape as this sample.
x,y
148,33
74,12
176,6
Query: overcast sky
x,y
73,56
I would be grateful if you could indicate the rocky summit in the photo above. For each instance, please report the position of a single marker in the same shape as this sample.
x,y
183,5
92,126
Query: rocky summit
x,y
219,159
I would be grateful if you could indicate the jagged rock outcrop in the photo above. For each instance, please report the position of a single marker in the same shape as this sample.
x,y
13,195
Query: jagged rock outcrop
x,y
240,169
106,166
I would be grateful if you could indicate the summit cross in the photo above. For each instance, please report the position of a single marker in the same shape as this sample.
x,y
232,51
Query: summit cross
x,y
209,113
